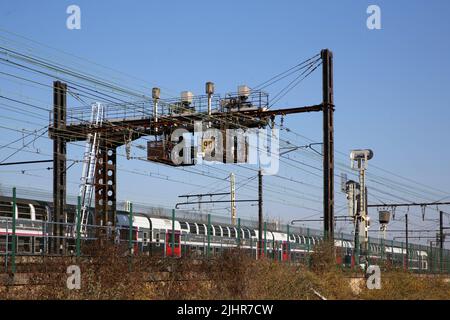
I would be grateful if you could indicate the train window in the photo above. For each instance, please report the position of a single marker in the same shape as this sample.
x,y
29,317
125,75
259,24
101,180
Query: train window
x,y
242,233
157,236
226,231
176,239
5,209
24,211
40,213
253,233
192,228
24,244
247,234
292,237
184,225
38,245
145,238
217,231
201,229
3,242
232,232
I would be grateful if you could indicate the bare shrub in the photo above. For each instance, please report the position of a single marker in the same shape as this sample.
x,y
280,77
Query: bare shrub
x,y
108,272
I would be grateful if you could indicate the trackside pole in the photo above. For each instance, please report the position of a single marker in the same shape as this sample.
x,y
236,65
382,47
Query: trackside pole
x,y
78,225
239,232
288,249
307,246
403,259
343,253
130,231
209,235
13,251
130,234
265,239
172,238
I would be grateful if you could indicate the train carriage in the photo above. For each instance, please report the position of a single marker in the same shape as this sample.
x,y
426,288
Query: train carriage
x,y
161,236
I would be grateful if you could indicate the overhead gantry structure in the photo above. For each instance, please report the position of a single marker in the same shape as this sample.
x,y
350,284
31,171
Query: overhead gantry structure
x,y
125,122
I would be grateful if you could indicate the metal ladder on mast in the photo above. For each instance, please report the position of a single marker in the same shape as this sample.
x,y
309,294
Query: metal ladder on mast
x,y
89,163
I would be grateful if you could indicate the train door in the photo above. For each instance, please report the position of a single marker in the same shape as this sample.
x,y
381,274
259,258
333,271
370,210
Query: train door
x,y
124,235
339,253
275,251
285,251
135,237
176,252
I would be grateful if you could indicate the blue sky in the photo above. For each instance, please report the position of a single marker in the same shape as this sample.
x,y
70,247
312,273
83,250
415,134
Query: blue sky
x,y
391,85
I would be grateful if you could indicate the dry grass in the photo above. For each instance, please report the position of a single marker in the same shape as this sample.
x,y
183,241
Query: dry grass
x,y
400,285
232,276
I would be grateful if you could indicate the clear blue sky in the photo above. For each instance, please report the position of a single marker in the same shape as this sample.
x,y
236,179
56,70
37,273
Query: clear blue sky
x,y
391,85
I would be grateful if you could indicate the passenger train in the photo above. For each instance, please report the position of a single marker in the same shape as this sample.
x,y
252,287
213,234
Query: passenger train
x,y
160,236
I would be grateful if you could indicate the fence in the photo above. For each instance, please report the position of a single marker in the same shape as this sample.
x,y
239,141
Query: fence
x,y
21,237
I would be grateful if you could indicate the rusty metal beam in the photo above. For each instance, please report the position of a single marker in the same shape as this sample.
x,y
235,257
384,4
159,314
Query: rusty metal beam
x,y
105,186
328,143
145,126
59,215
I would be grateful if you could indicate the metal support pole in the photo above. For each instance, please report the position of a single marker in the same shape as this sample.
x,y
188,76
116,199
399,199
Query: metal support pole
x,y
328,143
308,247
7,247
357,247
209,235
130,232
239,232
78,226
441,239
105,185
209,91
265,239
14,240
434,261
288,251
260,212
392,252
155,98
403,262
430,267
233,199
172,238
407,247
59,216
45,249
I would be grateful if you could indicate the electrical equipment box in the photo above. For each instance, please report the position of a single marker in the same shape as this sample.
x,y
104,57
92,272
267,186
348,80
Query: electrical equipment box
x,y
243,91
160,151
384,217
186,97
